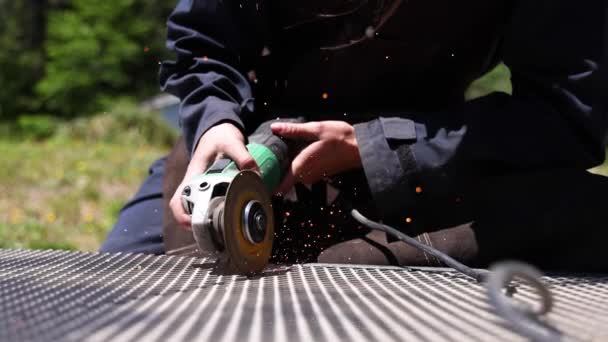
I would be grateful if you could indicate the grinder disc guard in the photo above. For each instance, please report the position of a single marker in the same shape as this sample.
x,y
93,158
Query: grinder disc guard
x,y
207,236
248,223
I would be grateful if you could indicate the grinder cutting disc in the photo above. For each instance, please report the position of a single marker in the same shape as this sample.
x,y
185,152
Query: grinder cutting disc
x,y
248,223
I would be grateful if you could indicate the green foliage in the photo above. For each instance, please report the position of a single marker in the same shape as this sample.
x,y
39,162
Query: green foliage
x,y
37,127
73,57
101,49
21,58
123,124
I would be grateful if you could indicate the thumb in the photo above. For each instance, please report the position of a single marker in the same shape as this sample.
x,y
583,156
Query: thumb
x,y
241,157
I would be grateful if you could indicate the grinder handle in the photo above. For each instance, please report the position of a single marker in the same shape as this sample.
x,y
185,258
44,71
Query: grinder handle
x,y
264,156
219,165
273,154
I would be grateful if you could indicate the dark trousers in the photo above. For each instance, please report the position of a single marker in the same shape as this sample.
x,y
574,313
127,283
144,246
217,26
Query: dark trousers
x,y
556,219
139,225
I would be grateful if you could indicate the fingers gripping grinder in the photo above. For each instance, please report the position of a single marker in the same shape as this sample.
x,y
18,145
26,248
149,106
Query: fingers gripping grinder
x,y
231,209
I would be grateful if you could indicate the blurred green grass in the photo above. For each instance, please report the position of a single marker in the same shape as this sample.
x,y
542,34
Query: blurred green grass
x,y
65,191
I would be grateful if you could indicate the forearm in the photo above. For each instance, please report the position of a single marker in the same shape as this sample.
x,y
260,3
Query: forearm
x,y
556,117
211,40
496,134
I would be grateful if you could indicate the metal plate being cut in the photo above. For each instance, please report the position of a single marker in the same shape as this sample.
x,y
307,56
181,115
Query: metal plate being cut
x,y
77,296
244,256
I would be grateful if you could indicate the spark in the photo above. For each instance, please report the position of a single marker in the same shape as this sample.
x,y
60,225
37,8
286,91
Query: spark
x,y
324,96
408,220
418,189
370,31
252,76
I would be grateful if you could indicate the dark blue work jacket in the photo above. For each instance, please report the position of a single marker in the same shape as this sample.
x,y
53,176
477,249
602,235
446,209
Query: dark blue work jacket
x,y
397,70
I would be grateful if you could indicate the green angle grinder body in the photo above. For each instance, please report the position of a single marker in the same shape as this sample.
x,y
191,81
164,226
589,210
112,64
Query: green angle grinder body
x,y
231,210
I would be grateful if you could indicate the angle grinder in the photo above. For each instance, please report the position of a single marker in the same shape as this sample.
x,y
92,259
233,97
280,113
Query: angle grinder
x,y
231,209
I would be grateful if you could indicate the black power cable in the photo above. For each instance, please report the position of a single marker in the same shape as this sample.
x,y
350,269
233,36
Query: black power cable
x,y
524,320
478,275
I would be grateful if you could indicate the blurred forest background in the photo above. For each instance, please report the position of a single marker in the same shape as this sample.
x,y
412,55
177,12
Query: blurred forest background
x,y
75,142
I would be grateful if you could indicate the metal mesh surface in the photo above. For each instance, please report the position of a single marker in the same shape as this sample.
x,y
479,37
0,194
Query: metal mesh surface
x,y
57,295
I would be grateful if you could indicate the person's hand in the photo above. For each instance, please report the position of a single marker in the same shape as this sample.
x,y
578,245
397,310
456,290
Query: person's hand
x,y
221,141
333,150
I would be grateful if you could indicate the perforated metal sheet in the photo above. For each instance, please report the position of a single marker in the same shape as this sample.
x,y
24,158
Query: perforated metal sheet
x,y
57,295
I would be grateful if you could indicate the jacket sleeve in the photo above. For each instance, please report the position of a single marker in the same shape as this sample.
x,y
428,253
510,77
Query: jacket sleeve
x,y
212,40
555,118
